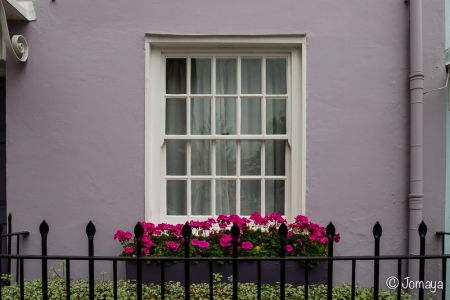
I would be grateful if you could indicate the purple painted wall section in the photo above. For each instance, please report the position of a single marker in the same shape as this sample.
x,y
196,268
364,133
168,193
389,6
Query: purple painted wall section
x,y
75,116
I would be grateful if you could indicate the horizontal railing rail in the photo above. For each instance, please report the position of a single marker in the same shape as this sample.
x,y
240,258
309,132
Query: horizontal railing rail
x,y
235,232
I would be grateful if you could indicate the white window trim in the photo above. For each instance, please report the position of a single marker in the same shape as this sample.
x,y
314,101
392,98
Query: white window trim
x,y
155,45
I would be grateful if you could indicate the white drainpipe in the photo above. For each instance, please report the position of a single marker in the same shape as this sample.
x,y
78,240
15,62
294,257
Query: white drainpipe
x,y
416,78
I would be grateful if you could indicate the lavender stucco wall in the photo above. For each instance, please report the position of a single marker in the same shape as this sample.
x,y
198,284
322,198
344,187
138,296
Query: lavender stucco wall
x,y
75,116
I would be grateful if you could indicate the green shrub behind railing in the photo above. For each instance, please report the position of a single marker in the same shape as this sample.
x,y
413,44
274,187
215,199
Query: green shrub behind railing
x,y
222,291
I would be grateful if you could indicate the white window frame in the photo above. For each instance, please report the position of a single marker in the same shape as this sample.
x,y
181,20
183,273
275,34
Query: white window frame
x,y
157,46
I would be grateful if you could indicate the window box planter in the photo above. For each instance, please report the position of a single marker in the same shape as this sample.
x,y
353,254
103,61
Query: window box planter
x,y
270,272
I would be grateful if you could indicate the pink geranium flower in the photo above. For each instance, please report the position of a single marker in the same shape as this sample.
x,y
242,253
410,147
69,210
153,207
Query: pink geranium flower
x,y
289,248
121,235
203,244
128,250
173,246
247,245
225,241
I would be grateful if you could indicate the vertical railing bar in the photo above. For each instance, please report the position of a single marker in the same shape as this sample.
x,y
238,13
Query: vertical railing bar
x,y
115,278
186,232
90,232
17,260
163,281
235,231
353,278
377,231
138,233
259,280
331,230
399,275
211,291
306,279
9,243
444,268
422,234
282,232
21,282
43,230
68,279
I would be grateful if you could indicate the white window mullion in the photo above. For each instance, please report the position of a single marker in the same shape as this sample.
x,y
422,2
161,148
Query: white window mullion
x,y
238,99
238,143
263,99
213,180
238,177
263,172
188,208
213,98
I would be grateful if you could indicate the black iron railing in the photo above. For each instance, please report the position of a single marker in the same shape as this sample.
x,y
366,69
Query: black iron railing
x,y
235,231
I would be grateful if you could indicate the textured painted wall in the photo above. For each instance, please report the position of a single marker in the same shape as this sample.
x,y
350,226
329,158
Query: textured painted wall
x,y
75,116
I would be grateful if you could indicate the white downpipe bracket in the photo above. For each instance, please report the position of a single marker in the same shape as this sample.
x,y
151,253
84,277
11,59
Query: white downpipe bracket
x,y
17,46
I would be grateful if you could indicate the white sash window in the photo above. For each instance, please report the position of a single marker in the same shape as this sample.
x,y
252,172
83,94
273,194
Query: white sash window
x,y
221,127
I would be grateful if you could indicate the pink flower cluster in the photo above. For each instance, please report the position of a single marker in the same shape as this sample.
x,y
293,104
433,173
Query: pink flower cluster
x,y
317,232
173,246
121,235
224,221
162,228
202,245
274,217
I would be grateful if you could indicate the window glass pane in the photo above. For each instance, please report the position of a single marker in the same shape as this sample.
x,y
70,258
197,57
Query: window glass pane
x,y
226,79
276,76
251,76
226,116
200,76
250,196
276,116
200,116
176,157
200,157
225,197
201,197
275,157
226,158
176,116
176,76
274,196
250,158
250,116
176,197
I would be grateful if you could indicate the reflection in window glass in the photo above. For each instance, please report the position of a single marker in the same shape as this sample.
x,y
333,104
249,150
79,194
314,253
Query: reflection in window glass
x,y
276,116
250,158
225,197
251,76
251,116
274,196
226,116
176,76
176,197
226,79
176,157
200,199
200,116
250,196
226,158
276,76
200,76
275,157
200,157
176,116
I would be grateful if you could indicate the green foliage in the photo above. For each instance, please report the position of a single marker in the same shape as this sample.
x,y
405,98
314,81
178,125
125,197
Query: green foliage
x,y
173,290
